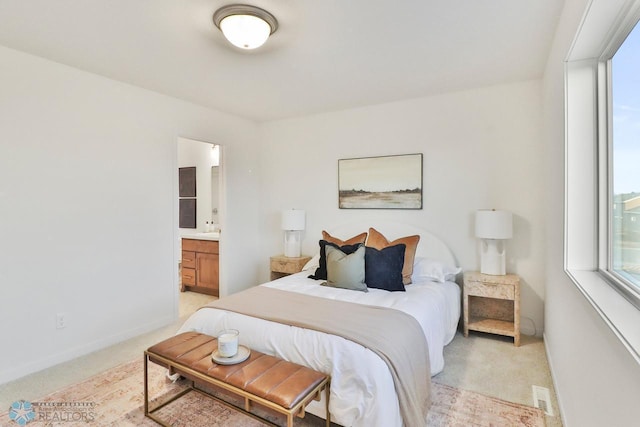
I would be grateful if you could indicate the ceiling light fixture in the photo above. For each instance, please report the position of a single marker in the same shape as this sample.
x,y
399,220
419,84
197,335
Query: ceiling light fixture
x,y
245,26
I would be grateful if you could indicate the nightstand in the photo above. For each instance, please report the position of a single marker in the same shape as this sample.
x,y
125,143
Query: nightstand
x,y
283,266
492,304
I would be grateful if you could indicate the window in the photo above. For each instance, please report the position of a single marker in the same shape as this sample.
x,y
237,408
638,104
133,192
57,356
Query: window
x,y
602,90
623,263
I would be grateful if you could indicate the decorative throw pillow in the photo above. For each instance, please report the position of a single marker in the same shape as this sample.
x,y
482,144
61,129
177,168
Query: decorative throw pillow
x,y
378,241
383,267
313,263
431,269
360,238
345,270
321,271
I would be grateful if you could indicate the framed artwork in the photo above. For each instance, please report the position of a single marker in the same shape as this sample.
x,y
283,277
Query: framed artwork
x,y
389,182
187,214
187,188
187,182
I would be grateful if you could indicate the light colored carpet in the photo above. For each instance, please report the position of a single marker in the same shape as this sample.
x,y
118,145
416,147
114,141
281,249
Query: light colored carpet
x,y
115,398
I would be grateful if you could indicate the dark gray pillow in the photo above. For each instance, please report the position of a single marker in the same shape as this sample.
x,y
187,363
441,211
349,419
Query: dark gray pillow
x,y
383,268
345,270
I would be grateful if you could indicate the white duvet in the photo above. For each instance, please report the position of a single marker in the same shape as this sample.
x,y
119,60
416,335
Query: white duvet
x,y
362,389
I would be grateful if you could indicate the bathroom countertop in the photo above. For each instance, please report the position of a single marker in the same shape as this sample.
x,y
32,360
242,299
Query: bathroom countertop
x,y
214,236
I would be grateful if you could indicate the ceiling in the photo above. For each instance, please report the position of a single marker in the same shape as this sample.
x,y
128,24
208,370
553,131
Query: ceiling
x,y
326,55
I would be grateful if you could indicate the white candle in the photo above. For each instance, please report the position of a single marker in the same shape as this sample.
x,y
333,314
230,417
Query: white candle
x,y
228,343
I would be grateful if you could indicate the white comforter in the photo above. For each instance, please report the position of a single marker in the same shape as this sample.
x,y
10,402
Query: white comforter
x,y
362,389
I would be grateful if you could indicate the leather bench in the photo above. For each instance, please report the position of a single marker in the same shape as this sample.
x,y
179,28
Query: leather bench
x,y
267,380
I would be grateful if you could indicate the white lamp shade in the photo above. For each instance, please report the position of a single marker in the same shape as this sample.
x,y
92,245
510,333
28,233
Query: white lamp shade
x,y
293,219
245,31
494,224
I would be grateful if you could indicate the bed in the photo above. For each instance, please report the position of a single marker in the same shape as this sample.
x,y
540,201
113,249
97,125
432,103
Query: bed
x,y
363,392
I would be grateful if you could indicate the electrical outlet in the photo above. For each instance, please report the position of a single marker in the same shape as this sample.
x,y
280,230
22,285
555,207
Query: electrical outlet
x,y
61,320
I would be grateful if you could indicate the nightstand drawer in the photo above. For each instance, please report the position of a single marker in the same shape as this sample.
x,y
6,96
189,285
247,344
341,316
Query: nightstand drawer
x,y
490,290
283,266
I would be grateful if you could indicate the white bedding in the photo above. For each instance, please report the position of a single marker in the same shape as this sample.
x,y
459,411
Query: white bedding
x,y
362,389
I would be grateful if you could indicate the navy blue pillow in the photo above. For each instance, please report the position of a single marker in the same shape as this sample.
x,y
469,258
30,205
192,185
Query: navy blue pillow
x,y
321,271
383,268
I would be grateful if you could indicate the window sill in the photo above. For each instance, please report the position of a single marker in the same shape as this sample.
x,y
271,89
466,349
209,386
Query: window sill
x,y
619,314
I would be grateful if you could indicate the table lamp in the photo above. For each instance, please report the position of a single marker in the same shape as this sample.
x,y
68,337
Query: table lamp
x,y
292,223
493,226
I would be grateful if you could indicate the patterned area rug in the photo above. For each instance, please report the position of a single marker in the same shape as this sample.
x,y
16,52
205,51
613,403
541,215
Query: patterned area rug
x,y
115,398
455,407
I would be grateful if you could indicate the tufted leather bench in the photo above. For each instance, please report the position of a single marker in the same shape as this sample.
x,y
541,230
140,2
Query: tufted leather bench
x,y
271,382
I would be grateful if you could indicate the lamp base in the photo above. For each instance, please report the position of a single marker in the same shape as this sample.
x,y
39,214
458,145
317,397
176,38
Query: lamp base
x,y
492,257
292,243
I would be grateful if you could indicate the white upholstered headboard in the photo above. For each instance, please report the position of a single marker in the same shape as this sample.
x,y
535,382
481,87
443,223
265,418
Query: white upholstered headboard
x,y
429,246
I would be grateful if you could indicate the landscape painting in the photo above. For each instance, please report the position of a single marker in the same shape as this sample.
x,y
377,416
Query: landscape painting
x,y
389,182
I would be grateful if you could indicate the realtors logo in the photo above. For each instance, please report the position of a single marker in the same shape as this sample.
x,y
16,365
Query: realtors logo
x,y
22,412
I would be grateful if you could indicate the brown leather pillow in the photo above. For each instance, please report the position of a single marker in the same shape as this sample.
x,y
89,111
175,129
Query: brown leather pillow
x,y
378,241
360,238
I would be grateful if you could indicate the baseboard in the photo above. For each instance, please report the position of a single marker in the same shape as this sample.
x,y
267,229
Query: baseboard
x,y
16,372
553,379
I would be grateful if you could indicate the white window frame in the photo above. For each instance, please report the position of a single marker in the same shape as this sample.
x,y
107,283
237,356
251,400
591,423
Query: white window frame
x,y
587,169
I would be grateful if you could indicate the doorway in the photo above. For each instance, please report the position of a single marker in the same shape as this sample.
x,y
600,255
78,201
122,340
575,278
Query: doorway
x,y
199,271
206,160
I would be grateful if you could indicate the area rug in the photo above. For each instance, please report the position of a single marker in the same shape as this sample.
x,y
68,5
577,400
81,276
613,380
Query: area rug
x,y
115,398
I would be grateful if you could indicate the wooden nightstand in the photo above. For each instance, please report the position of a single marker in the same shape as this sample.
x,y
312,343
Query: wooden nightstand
x,y
283,266
492,304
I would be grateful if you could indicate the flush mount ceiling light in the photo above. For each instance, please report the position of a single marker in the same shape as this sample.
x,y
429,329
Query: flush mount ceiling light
x,y
245,26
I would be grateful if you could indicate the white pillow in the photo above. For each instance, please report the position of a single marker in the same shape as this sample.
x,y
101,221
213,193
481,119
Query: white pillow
x,y
313,263
428,268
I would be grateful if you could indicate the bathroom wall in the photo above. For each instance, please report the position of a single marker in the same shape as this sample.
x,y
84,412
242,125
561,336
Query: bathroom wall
x,y
198,154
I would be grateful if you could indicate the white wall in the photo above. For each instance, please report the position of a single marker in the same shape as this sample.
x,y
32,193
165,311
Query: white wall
x,y
88,202
214,182
597,380
482,149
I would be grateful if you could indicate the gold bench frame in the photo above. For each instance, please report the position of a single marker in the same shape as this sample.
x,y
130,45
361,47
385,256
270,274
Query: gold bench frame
x,y
297,410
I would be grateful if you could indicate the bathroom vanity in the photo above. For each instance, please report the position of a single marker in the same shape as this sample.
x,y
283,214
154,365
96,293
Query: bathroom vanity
x,y
200,263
